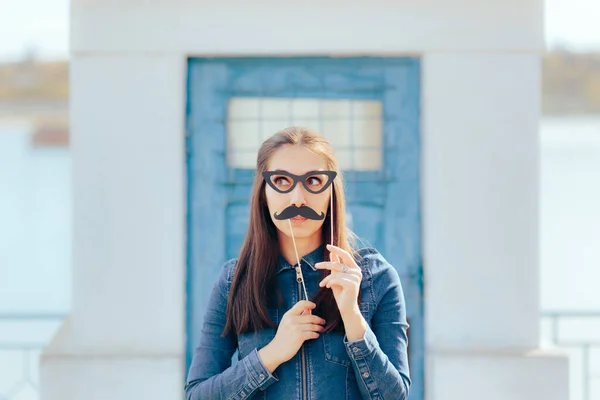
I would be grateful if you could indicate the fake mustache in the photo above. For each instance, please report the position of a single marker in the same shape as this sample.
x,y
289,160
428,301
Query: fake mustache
x,y
303,211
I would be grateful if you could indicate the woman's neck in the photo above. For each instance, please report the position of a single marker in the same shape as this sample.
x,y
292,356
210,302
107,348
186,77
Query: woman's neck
x,y
304,245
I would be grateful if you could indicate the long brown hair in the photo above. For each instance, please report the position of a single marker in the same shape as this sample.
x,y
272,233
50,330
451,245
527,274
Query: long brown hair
x,y
254,284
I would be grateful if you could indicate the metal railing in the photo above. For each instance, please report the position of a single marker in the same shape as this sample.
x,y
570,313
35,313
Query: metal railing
x,y
585,344
19,356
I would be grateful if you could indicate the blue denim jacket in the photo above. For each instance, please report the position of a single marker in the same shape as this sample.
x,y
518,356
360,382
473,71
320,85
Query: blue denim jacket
x,y
374,367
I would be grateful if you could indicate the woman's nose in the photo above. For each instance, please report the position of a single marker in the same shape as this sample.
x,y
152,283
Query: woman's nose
x,y
297,196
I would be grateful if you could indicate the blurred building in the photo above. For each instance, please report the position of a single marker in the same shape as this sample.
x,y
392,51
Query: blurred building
x,y
433,109
36,94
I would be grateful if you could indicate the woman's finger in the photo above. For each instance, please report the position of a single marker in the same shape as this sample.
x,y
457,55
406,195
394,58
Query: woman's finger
x,y
300,307
309,319
307,335
343,282
339,280
310,328
337,267
343,255
351,277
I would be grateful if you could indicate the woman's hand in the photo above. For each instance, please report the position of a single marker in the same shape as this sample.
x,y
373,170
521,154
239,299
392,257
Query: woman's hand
x,y
297,325
345,285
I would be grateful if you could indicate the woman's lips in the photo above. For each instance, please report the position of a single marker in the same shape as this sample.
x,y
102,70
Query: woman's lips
x,y
298,218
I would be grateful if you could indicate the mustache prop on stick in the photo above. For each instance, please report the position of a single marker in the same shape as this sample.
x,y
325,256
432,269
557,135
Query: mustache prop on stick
x,y
303,211
314,182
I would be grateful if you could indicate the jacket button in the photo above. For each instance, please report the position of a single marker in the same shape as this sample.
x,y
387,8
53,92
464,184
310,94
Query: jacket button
x,y
261,377
355,349
365,375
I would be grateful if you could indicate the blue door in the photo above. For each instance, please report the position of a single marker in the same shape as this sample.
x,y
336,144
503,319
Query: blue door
x,y
369,110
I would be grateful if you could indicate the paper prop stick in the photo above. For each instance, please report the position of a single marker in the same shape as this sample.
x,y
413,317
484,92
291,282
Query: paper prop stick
x,y
298,269
331,217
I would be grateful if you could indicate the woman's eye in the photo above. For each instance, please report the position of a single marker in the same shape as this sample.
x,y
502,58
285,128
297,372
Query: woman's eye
x,y
281,181
314,181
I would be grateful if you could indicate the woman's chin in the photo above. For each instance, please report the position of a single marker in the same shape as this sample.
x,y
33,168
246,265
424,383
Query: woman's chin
x,y
305,231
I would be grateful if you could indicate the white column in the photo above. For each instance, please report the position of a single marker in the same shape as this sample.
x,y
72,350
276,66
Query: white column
x,y
124,338
480,222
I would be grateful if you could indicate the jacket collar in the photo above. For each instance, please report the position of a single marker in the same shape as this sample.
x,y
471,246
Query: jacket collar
x,y
309,260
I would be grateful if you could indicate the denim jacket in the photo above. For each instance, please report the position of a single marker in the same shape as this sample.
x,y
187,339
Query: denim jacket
x,y
374,367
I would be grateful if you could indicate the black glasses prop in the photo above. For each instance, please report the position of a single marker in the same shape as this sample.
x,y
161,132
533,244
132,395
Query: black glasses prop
x,y
314,182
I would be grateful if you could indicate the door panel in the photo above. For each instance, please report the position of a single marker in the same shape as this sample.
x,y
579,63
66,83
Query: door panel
x,y
368,108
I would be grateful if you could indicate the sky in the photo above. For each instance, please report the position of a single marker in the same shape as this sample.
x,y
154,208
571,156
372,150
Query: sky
x,y
43,26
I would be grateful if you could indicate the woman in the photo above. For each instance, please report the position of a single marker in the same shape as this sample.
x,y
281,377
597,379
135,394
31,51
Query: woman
x,y
305,328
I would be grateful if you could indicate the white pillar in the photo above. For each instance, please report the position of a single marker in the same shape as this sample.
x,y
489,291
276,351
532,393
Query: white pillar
x,y
124,338
480,216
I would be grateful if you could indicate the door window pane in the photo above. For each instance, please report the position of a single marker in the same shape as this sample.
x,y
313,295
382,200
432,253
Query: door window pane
x,y
353,127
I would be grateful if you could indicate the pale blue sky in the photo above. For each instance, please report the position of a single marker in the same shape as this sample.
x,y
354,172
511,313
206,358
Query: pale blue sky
x,y
44,25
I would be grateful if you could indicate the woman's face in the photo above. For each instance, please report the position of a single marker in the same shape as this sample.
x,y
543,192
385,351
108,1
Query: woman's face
x,y
297,160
